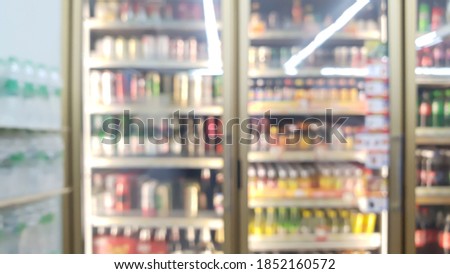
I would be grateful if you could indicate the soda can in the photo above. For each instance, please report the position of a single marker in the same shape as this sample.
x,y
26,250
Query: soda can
x,y
191,199
148,198
119,48
163,46
148,47
95,87
193,49
123,193
120,88
107,46
133,48
180,49
107,87
164,200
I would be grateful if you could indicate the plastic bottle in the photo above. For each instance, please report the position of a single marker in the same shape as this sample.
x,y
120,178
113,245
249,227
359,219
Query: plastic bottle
x,y
437,109
424,18
445,242
10,98
29,95
55,92
42,110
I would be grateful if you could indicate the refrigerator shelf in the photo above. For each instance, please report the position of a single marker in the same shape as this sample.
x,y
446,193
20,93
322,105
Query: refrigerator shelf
x,y
178,219
177,26
302,202
297,243
340,72
433,136
295,108
298,35
172,65
33,198
433,195
306,156
157,162
152,110
423,80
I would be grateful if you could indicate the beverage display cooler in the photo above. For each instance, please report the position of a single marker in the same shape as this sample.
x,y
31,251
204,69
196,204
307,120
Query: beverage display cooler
x,y
154,74
319,85
316,163
428,184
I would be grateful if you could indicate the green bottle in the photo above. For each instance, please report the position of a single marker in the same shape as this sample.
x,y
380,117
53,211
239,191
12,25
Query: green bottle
x,y
447,108
424,18
437,109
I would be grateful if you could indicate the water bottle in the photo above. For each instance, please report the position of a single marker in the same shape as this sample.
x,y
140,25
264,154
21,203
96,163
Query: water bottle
x,y
29,95
55,99
43,97
10,98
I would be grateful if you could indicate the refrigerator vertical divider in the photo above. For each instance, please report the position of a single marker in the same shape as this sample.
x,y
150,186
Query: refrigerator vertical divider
x,y
396,95
86,199
244,11
410,124
231,221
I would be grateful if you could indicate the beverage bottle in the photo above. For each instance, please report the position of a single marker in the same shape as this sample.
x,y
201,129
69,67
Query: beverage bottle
x,y
29,95
447,12
262,179
272,184
206,245
282,221
191,247
293,220
256,24
219,239
437,109
437,16
424,17
306,223
55,98
10,99
427,58
123,194
205,199
270,227
345,224
297,13
425,110
447,108
218,195
159,243
333,222
164,199
439,56
258,223
320,225
175,246
144,244
445,239
292,181
282,179
252,181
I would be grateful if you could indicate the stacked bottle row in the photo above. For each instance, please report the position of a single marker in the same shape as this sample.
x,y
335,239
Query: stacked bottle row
x,y
305,135
32,229
30,163
130,240
435,56
30,95
185,136
153,196
264,57
131,86
434,108
150,48
307,15
433,230
432,16
282,221
151,11
433,167
315,181
307,91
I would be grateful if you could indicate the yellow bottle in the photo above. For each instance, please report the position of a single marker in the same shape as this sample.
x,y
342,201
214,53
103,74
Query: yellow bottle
x,y
292,181
258,224
370,221
282,179
358,223
270,227
306,225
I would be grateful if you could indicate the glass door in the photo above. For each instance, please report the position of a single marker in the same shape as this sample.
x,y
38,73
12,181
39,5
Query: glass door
x,y
156,174
316,162
431,102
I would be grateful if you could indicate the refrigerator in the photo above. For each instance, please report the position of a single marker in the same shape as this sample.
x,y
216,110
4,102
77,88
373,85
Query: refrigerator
x,y
305,67
427,101
166,184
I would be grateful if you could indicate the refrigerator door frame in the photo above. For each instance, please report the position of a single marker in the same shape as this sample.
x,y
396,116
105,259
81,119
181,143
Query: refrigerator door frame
x,y
392,219
81,54
410,125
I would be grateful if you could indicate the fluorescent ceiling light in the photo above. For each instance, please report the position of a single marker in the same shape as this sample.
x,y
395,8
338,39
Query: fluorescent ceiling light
x,y
432,38
324,35
212,36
